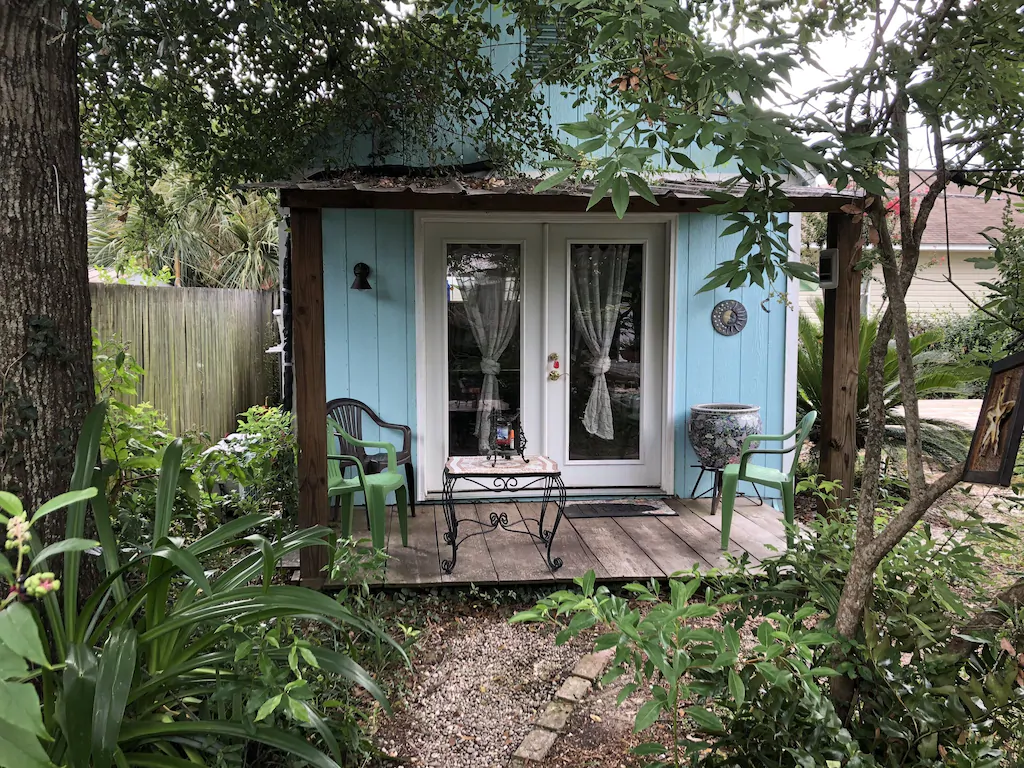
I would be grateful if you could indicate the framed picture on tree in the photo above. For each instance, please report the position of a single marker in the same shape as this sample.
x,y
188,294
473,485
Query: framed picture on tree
x,y
993,453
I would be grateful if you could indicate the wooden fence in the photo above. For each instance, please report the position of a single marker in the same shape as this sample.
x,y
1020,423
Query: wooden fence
x,y
203,349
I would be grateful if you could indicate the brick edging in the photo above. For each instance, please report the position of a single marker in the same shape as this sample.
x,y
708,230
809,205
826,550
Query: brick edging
x,y
552,721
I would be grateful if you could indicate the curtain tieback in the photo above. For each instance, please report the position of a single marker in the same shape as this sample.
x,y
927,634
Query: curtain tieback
x,y
489,366
599,366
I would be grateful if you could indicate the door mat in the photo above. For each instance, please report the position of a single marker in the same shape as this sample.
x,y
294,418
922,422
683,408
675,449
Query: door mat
x,y
618,508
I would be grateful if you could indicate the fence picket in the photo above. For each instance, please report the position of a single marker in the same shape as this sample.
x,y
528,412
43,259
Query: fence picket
x,y
203,349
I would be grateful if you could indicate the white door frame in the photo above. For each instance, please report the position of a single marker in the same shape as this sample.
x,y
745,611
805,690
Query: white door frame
x,y
671,223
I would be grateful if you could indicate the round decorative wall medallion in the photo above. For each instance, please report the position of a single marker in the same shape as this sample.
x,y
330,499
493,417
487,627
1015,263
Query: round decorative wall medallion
x,y
728,317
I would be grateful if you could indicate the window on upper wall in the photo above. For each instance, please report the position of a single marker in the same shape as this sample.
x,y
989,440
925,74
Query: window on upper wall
x,y
538,48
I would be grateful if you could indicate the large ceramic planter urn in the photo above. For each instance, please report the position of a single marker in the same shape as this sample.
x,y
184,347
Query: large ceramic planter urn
x,y
717,430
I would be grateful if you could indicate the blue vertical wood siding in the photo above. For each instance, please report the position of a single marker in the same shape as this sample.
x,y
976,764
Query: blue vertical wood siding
x,y
746,368
371,335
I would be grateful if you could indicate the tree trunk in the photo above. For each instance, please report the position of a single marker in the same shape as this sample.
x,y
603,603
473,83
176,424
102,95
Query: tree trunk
x,y
46,380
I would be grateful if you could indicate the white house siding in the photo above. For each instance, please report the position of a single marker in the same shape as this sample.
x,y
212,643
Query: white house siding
x,y
931,292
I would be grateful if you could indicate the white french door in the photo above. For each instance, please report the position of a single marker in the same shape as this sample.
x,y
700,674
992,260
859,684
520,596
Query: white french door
x,y
501,301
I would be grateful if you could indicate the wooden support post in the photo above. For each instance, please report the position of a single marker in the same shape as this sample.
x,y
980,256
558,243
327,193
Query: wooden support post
x,y
307,293
841,356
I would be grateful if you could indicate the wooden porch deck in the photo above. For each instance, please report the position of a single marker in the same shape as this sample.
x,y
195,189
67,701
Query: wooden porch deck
x,y
616,549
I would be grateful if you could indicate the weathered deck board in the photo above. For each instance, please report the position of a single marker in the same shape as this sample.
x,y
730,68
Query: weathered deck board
x,y
744,531
419,563
660,543
704,539
576,557
473,564
513,554
616,549
621,557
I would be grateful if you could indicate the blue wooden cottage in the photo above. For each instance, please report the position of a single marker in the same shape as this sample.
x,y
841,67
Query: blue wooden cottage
x,y
439,302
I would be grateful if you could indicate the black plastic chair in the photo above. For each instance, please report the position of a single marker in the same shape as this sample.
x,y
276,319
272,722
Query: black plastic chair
x,y
349,414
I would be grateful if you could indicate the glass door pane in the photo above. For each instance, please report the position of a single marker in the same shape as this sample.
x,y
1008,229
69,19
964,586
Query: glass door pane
x,y
484,340
605,286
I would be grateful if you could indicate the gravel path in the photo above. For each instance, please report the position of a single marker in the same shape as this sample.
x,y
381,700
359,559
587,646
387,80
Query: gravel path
x,y
479,684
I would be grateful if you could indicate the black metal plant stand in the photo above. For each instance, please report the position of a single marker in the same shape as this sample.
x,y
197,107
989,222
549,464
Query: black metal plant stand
x,y
517,475
716,487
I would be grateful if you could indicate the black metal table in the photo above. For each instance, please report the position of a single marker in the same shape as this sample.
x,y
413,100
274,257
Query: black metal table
x,y
504,476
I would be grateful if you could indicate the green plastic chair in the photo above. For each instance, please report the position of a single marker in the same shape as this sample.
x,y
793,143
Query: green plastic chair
x,y
785,482
375,487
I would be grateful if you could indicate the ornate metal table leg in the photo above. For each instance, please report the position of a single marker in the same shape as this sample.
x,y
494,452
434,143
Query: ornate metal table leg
x,y
451,535
555,483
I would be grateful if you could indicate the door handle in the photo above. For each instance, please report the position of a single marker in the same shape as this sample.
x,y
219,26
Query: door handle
x,y
554,367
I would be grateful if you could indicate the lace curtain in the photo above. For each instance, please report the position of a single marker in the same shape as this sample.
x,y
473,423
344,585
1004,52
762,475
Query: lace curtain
x,y
491,301
596,276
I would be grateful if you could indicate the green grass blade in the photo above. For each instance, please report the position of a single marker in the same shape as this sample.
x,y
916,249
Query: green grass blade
x,y
113,685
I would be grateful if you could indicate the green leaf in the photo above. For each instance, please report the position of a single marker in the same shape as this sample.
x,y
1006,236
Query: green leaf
x,y
186,562
21,749
640,186
647,715
736,688
298,710
19,708
60,547
296,747
169,473
76,703
706,719
10,504
620,195
267,708
553,180
62,501
12,665
113,685
20,633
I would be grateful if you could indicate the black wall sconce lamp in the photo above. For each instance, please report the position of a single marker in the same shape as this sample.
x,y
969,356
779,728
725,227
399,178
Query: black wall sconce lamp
x,y
361,271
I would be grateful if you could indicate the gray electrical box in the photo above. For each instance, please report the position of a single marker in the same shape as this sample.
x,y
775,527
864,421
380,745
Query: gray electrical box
x,y
828,268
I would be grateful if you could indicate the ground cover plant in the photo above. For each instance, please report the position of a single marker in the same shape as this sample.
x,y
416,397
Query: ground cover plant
x,y
182,652
753,685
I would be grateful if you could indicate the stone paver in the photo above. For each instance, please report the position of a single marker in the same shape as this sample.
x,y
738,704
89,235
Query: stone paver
x,y
555,716
535,747
573,689
591,666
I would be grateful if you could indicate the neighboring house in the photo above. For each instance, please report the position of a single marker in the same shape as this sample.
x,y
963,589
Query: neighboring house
x,y
944,256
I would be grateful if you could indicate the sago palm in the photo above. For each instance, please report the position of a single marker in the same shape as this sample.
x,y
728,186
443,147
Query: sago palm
x,y
935,374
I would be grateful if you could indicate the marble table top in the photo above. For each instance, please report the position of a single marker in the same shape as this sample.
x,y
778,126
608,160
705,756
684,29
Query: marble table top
x,y
481,465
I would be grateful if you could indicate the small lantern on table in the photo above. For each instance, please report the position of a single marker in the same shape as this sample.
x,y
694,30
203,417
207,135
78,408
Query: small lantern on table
x,y
506,439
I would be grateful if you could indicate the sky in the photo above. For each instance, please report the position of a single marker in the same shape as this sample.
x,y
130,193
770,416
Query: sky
x,y
837,56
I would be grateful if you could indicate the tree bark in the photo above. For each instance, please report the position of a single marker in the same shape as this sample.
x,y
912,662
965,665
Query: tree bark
x,y
46,380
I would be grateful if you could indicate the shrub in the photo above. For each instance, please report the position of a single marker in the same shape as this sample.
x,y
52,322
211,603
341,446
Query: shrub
x,y
260,458
737,674
184,653
936,374
969,340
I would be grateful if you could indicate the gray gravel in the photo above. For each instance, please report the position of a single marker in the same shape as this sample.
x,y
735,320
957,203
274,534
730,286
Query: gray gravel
x,y
480,683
